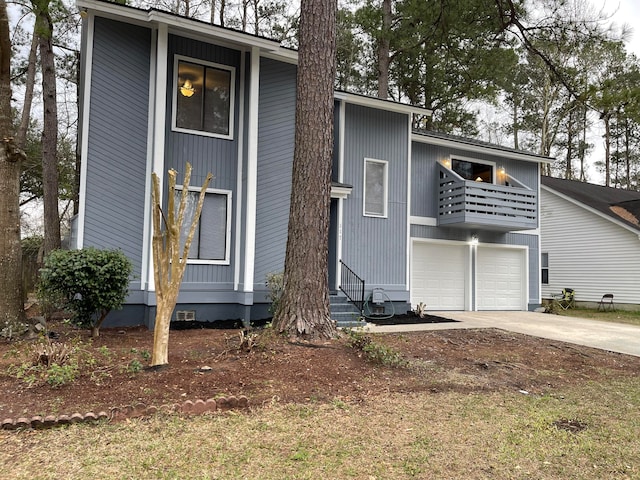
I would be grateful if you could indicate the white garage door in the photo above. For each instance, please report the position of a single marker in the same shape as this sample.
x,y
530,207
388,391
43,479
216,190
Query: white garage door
x,y
438,275
500,280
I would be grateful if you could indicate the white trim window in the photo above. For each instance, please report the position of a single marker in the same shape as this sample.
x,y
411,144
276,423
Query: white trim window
x,y
376,188
212,240
544,264
203,98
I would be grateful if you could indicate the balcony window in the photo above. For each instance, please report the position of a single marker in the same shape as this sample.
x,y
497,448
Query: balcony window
x,y
479,172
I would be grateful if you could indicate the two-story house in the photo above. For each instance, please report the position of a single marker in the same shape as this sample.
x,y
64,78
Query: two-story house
x,y
420,216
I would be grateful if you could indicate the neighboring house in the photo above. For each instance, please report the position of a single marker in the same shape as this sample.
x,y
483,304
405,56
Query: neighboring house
x,y
590,241
425,217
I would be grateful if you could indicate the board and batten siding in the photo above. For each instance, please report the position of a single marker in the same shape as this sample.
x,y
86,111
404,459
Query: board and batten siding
x,y
117,139
424,173
376,248
588,253
276,129
206,154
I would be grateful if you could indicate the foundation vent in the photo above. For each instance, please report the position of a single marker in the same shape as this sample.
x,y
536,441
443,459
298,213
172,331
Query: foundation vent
x,y
185,315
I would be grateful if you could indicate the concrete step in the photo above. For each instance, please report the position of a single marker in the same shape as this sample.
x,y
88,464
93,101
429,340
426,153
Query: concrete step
x,y
343,312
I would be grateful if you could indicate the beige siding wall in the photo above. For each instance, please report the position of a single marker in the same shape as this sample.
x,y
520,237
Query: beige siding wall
x,y
588,253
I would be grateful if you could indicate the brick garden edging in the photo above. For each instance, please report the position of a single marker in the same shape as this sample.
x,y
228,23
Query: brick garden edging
x,y
130,411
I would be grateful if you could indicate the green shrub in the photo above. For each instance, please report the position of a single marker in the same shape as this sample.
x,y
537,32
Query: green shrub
x,y
89,283
275,284
375,352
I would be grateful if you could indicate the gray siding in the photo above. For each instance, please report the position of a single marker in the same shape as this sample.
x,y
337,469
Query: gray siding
x,y
424,174
376,248
117,154
206,154
276,127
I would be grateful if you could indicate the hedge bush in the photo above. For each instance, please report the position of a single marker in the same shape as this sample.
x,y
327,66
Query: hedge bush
x,y
88,283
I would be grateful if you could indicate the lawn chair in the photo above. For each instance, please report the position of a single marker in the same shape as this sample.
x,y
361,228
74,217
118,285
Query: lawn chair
x,y
566,299
606,303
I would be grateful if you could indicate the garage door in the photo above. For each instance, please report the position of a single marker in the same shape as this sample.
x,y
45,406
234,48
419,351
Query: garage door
x,y
500,281
438,275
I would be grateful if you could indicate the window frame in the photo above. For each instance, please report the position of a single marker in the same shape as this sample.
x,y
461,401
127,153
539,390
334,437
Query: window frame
x,y
385,200
227,253
174,99
544,268
490,163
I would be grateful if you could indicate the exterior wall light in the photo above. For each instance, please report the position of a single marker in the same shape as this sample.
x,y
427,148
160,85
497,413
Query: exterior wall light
x,y
474,239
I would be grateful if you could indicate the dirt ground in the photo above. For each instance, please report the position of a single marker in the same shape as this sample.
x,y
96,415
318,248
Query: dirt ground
x,y
206,363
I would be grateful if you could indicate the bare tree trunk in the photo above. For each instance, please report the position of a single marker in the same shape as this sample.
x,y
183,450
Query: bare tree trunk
x,y
223,5
11,295
304,307
21,134
169,262
607,148
49,130
568,168
384,51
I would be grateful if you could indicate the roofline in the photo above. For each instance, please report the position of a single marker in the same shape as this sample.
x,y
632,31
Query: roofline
x,y
380,103
496,150
153,16
577,203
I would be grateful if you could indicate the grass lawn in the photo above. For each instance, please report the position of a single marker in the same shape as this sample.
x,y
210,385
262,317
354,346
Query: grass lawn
x,y
620,316
587,432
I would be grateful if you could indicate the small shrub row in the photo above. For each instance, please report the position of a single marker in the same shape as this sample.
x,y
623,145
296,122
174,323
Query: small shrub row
x,y
376,352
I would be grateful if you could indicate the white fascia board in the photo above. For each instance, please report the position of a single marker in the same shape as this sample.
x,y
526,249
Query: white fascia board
x,y
138,16
472,147
635,231
87,67
380,104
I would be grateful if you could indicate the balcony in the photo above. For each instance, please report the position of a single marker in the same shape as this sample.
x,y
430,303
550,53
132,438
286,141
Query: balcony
x,y
485,206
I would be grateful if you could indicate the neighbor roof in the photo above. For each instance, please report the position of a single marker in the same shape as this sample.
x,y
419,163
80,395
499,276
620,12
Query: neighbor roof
x,y
621,205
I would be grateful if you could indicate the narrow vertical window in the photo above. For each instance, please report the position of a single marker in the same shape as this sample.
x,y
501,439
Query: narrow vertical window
x,y
544,262
375,188
203,98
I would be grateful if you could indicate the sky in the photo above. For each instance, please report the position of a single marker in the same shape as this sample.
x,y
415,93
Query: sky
x,y
625,12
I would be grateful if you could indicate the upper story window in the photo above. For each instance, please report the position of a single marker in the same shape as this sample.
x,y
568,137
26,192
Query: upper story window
x,y
474,170
203,98
375,188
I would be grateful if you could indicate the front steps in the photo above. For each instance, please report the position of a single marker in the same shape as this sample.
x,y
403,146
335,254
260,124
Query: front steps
x,y
344,313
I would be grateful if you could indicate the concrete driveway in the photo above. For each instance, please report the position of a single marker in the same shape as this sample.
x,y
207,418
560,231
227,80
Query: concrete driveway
x,y
614,337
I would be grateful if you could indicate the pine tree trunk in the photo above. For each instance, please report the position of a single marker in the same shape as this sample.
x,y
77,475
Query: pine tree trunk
x,y
21,135
11,295
304,307
49,132
384,51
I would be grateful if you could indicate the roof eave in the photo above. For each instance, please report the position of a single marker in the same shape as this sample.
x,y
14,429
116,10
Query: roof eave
x,y
154,17
493,150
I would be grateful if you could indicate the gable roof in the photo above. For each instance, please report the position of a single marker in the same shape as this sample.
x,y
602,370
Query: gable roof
x,y
617,204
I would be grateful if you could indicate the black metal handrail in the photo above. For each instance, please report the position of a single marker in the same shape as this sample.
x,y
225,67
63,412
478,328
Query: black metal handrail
x,y
352,286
